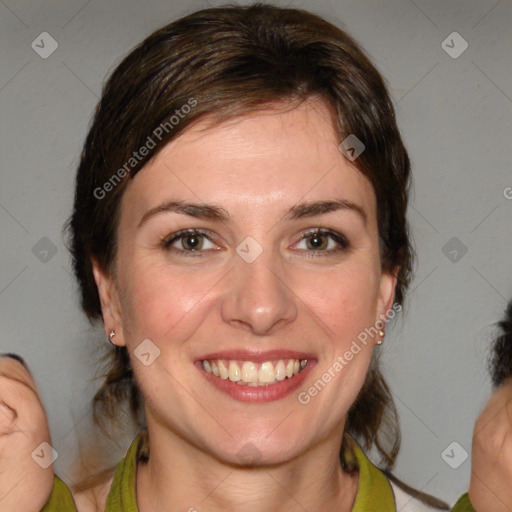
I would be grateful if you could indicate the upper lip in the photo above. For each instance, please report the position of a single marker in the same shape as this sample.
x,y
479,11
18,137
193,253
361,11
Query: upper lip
x,y
257,356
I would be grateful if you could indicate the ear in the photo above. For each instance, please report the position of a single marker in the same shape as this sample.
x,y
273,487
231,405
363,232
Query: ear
x,y
387,287
110,306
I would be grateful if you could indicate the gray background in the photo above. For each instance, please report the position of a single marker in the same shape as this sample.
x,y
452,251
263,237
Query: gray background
x,y
455,117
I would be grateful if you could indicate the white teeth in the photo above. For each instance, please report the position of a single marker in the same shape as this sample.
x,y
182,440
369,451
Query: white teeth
x,y
234,372
249,372
254,374
280,370
289,369
266,373
223,371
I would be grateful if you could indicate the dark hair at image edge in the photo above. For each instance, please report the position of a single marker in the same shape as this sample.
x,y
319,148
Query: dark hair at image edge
x,y
222,63
501,356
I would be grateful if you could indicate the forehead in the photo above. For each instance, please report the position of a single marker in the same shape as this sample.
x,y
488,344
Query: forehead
x,y
258,163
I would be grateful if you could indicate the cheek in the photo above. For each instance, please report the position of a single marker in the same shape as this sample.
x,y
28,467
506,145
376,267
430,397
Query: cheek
x,y
345,301
156,301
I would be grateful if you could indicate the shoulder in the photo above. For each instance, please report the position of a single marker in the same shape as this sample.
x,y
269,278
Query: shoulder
x,y
112,488
410,502
463,504
380,490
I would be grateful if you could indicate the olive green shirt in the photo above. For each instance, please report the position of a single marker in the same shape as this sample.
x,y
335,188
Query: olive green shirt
x,y
374,492
463,505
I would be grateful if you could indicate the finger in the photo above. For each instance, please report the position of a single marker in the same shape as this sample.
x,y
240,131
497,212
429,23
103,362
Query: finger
x,y
23,411
7,417
495,414
16,357
12,369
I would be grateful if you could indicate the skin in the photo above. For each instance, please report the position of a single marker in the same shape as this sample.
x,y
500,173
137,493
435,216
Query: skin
x,y
256,168
263,164
24,485
491,473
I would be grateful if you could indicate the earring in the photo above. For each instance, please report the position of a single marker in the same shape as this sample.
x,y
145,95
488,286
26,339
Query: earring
x,y
381,334
111,336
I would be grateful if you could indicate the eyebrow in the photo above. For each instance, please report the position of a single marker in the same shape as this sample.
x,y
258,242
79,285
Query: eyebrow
x,y
217,213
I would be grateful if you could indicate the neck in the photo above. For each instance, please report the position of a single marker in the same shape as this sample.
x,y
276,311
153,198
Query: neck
x,y
193,480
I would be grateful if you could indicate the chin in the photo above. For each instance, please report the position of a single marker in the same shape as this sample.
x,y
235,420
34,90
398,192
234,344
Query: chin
x,y
259,449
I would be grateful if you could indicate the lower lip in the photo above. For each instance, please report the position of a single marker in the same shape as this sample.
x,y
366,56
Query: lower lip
x,y
258,394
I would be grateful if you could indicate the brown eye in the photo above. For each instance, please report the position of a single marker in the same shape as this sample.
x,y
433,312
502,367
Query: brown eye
x,y
188,242
193,241
324,241
317,241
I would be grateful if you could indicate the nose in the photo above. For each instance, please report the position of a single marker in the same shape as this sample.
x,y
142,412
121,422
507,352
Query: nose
x,y
259,296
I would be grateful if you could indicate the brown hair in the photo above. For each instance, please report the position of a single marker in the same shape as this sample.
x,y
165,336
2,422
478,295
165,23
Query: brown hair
x,y
225,62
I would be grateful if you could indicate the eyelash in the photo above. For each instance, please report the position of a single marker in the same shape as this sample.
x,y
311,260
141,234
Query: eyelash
x,y
341,240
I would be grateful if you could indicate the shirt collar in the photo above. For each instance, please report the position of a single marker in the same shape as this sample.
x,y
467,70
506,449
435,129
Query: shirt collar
x,y
374,493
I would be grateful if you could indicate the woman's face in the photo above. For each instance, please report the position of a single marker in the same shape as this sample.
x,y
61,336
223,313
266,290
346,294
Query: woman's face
x,y
246,288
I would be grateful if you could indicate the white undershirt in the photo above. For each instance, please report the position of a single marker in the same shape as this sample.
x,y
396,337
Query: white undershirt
x,y
404,502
